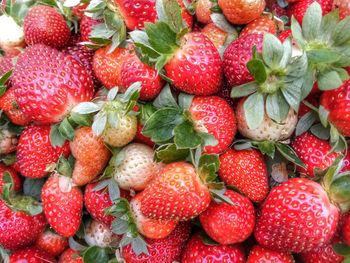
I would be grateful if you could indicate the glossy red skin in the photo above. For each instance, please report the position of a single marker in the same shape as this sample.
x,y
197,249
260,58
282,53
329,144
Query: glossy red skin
x,y
51,243
259,26
218,118
31,255
337,102
63,210
229,224
16,179
245,170
177,189
197,252
35,152
69,256
296,216
133,70
196,67
86,26
44,25
49,84
165,250
142,138
313,152
298,9
324,254
18,229
260,254
237,55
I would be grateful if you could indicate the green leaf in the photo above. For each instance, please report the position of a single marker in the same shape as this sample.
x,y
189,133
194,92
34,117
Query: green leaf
x,y
266,147
254,110
146,111
277,107
101,185
56,139
80,119
161,37
66,129
296,68
185,100
329,22
64,167
341,249
343,74
288,153
341,33
297,32
308,82
320,131
305,122
95,254
86,108
312,21
272,50
169,11
185,137
4,78
165,99
244,90
169,153
139,246
317,56
209,160
340,189
220,194
257,69
329,80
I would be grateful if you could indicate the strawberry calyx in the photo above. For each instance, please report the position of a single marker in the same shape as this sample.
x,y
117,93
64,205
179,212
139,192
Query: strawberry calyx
x,y
278,84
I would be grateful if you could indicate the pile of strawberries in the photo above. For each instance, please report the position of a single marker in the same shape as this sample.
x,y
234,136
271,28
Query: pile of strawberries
x,y
174,131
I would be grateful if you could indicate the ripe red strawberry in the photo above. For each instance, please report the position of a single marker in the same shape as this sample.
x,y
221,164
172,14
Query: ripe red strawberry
x,y
313,152
337,103
63,205
31,255
16,179
9,106
259,26
296,216
197,251
259,254
245,170
49,83
19,229
44,25
215,34
229,224
178,189
70,256
241,11
237,55
133,70
324,254
35,154
298,9
165,250
91,155
51,243
86,26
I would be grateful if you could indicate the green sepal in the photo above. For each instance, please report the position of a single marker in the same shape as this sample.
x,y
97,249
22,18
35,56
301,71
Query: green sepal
x,y
266,147
185,137
254,110
273,51
161,37
146,111
320,131
56,138
4,78
287,152
169,11
277,107
244,90
220,196
312,22
65,166
305,122
165,99
257,70
329,80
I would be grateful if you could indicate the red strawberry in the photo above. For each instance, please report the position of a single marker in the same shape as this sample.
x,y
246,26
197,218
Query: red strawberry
x,y
214,115
31,255
259,26
241,11
303,109
63,204
49,83
51,243
284,35
229,224
70,256
276,9
337,103
165,250
260,254
197,251
245,170
296,216
178,189
16,179
313,152
35,154
86,26
44,25
237,55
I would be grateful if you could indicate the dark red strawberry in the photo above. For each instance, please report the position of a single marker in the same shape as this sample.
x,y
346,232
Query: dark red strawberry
x,y
31,255
15,178
259,254
51,243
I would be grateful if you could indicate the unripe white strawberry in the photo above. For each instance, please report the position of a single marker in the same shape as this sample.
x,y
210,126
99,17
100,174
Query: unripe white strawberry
x,y
11,35
137,167
99,234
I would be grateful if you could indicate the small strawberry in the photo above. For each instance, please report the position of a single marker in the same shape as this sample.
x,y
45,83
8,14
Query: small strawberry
x,y
203,12
63,204
91,155
100,235
86,26
259,26
70,256
215,34
44,25
32,255
17,184
51,243
241,11
245,170
197,251
259,254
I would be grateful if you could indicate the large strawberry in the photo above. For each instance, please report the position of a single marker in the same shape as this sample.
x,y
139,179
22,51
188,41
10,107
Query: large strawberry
x,y
241,11
245,170
44,25
52,243
49,83
259,254
32,255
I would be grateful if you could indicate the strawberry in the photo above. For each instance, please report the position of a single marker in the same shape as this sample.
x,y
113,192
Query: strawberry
x,y
215,34
197,251
99,234
136,168
298,9
91,155
133,70
32,255
237,55
86,26
167,190
314,152
336,102
324,254
51,243
241,11
296,216
246,171
49,83
165,250
17,184
203,12
63,204
35,154
70,256
44,25
229,223
9,106
11,35
259,254
259,26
